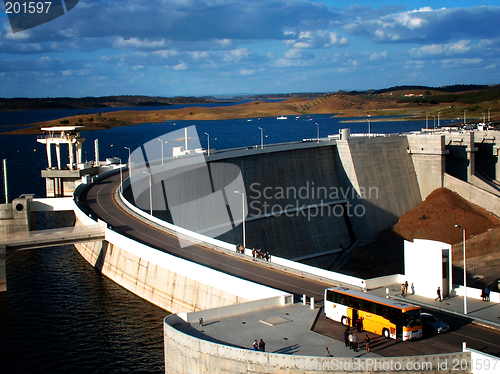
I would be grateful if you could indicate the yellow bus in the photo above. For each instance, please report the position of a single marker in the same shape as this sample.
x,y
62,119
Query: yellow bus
x,y
392,318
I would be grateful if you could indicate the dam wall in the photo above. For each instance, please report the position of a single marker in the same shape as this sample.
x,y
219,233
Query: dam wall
x,y
295,204
382,172
307,198
428,156
167,281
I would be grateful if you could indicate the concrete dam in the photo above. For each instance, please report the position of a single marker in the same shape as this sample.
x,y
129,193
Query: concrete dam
x,y
306,198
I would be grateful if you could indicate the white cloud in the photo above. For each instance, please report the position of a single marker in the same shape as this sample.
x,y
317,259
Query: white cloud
x,y
427,25
460,47
315,39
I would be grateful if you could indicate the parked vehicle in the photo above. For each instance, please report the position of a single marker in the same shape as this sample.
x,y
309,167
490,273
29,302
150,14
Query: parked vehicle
x,y
433,325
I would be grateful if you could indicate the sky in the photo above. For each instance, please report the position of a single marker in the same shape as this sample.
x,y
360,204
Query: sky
x,y
223,47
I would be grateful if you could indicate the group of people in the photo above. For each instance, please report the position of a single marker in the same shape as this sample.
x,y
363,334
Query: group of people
x,y
240,249
259,346
256,253
351,340
259,253
485,294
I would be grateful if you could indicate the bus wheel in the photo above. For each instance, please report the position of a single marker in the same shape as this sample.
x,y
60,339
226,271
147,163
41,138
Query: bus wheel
x,y
385,332
345,321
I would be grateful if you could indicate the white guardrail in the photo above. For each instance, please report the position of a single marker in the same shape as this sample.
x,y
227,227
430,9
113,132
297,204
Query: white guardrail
x,y
283,264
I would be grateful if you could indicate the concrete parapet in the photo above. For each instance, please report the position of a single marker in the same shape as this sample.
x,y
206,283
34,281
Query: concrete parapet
x,y
230,310
186,354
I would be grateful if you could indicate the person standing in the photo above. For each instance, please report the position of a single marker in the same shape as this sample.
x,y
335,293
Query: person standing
x,y
327,352
439,294
253,253
486,294
359,324
355,342
406,288
262,345
255,345
350,340
346,337
403,289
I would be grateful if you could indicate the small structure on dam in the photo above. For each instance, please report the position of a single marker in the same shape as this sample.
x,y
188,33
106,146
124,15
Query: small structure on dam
x,y
61,180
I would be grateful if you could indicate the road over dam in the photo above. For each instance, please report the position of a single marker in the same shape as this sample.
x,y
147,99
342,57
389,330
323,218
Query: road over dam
x,y
98,201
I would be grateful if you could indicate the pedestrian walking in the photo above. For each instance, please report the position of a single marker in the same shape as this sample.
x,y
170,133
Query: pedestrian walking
x,y
355,342
486,294
346,337
403,289
262,345
255,345
253,253
406,288
327,353
439,294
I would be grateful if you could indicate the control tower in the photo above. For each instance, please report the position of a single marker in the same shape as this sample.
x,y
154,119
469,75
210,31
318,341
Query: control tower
x,y
61,180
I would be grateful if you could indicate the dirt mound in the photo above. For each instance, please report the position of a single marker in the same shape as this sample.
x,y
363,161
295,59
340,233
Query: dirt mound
x,y
436,217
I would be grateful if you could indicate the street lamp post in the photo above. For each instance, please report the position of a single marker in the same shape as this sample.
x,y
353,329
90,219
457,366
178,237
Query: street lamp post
x,y
464,117
129,164
427,121
438,119
243,214
261,138
317,125
489,115
161,141
121,177
434,123
369,127
150,193
465,269
208,147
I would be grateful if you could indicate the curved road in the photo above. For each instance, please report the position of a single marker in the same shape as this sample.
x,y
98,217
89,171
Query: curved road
x,y
98,200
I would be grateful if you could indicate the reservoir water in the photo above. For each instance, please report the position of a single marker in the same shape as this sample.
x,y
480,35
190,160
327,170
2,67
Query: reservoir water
x,y
59,314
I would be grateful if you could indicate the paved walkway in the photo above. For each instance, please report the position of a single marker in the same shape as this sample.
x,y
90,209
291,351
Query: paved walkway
x,y
479,312
284,330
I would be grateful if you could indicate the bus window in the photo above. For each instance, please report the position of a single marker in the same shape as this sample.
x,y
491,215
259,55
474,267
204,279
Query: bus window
x,y
361,304
381,310
353,302
329,295
367,306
